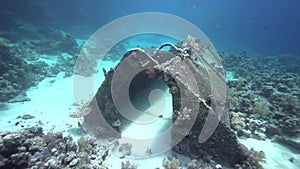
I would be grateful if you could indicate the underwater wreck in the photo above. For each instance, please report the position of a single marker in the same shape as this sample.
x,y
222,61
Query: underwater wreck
x,y
195,78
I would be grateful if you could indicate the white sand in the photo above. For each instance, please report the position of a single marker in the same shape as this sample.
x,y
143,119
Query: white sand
x,y
277,156
51,104
145,163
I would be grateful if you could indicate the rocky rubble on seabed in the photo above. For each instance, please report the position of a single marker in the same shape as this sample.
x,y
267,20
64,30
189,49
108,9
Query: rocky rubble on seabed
x,y
31,148
264,100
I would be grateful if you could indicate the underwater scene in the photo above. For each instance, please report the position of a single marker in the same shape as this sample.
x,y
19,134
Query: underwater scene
x,y
195,84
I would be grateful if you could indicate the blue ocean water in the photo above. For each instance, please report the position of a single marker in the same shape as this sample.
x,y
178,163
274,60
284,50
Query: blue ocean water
x,y
268,27
55,65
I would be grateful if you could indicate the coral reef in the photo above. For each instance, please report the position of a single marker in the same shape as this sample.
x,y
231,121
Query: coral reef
x,y
30,148
125,149
128,165
22,65
25,43
197,164
238,122
261,106
291,104
13,73
270,91
174,163
171,164
255,158
84,145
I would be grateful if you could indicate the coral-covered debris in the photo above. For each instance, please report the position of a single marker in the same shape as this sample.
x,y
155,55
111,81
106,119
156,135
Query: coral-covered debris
x,y
222,145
